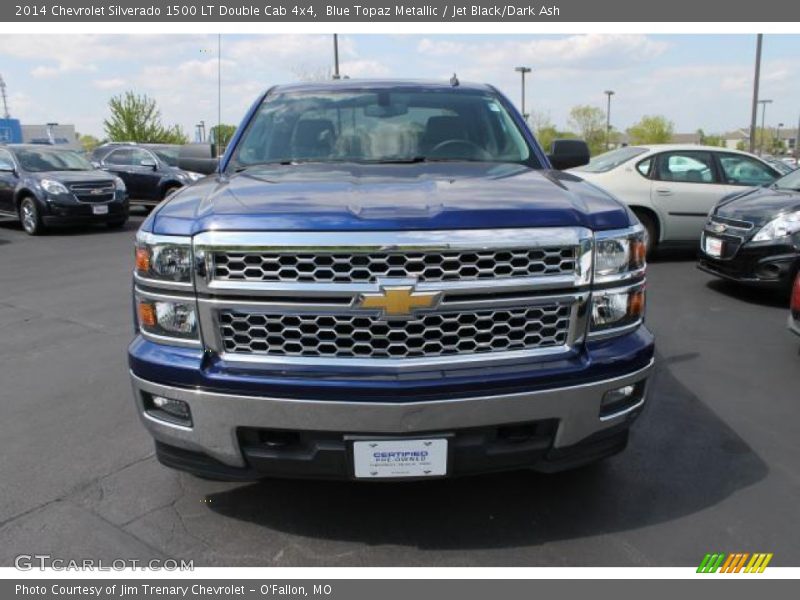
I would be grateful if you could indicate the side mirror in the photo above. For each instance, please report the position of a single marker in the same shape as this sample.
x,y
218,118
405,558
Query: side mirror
x,y
148,162
567,154
198,158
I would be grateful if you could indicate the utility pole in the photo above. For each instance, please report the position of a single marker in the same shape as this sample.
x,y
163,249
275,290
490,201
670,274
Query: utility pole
x,y
763,104
756,79
608,93
336,56
778,135
6,114
797,141
523,71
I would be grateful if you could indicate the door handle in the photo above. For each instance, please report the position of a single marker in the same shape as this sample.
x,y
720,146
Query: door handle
x,y
663,192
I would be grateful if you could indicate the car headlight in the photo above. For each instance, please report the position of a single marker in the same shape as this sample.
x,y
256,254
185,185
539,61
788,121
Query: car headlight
x,y
164,258
781,226
613,309
53,187
119,184
194,176
619,255
167,318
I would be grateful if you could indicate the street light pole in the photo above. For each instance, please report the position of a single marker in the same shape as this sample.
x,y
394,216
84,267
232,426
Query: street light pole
x,y
756,78
523,71
608,93
763,104
336,56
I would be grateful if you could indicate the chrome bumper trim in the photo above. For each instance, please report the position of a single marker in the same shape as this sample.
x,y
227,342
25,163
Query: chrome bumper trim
x,y
216,416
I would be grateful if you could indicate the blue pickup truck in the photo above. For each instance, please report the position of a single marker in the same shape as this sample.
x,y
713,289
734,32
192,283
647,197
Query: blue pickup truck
x,y
389,280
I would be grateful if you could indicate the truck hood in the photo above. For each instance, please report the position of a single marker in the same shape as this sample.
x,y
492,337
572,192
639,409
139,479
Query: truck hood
x,y
758,205
351,197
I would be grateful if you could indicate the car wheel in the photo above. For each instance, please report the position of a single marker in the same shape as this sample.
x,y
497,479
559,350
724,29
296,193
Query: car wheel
x,y
170,189
118,224
29,216
651,228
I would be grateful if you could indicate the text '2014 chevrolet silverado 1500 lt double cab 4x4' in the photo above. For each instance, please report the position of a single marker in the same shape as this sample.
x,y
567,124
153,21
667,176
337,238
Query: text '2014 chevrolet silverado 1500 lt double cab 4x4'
x,y
389,280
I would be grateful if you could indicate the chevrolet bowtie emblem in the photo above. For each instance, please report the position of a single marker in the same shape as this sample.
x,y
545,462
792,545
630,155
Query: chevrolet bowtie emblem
x,y
398,301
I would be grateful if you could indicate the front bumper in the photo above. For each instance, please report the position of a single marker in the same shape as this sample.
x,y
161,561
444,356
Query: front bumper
x,y
81,213
562,428
762,264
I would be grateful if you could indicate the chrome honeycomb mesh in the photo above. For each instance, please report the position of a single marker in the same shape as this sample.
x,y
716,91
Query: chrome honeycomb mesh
x,y
368,267
428,335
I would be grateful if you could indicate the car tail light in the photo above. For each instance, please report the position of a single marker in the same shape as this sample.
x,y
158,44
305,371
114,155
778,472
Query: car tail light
x,y
796,295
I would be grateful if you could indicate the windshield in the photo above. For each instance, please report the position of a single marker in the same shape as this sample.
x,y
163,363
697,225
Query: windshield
x,y
610,160
39,161
789,182
382,126
166,154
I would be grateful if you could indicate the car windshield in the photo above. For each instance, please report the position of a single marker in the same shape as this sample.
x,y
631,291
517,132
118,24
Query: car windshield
x,y
789,182
166,154
39,161
611,160
382,126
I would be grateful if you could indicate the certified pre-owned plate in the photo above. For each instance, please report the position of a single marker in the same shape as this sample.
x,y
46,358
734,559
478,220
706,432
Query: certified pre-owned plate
x,y
713,246
100,209
400,458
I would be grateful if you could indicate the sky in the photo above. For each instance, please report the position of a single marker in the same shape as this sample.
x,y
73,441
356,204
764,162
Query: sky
x,y
696,81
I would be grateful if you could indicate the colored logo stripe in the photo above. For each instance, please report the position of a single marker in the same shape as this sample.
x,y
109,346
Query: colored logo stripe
x,y
734,563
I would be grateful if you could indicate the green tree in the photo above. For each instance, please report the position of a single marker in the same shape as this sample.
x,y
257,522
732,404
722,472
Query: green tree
x,y
225,134
88,142
136,118
651,130
590,123
742,145
545,131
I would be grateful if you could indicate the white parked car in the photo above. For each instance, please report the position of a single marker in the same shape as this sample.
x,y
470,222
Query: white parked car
x,y
672,187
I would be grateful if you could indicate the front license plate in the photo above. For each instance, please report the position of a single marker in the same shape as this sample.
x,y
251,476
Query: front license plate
x,y
400,458
100,209
713,246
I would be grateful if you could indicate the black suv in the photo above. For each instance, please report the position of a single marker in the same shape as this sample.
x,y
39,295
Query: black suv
x,y
46,185
150,171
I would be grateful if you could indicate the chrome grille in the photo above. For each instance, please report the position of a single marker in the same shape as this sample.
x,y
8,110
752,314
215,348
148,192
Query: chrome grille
x,y
333,267
427,335
93,192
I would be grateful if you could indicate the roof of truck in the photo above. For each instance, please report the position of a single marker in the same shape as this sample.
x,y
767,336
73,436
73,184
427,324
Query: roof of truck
x,y
372,84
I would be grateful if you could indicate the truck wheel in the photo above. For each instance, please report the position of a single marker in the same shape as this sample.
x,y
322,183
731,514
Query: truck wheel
x,y
29,216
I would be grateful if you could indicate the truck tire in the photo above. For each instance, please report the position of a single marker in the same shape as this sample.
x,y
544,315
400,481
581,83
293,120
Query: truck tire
x,y
29,216
170,189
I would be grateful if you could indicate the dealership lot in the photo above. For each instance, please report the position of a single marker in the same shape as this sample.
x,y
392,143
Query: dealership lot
x,y
714,465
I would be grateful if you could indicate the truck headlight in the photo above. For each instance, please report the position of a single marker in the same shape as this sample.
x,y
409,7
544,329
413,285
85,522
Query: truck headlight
x,y
53,187
119,184
164,258
618,254
781,226
167,318
613,309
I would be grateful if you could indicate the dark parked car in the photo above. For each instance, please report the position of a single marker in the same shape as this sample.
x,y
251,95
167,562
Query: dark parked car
x,y
754,237
150,171
45,185
794,317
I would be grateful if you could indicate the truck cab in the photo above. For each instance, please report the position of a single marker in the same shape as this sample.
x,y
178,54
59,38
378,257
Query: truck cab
x,y
389,280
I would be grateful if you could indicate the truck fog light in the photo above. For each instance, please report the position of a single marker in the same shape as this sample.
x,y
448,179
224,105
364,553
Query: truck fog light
x,y
168,409
620,400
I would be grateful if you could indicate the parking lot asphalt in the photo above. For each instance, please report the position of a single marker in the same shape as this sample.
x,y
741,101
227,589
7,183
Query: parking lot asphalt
x,y
713,465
